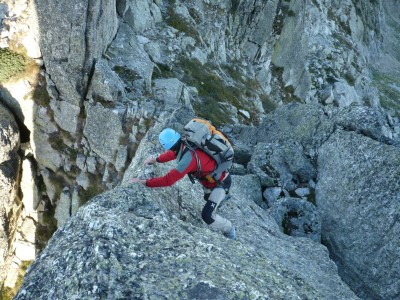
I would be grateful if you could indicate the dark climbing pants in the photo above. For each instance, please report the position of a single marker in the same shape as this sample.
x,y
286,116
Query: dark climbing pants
x,y
213,199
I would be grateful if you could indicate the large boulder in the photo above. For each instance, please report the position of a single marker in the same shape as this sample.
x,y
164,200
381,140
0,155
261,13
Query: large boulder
x,y
9,171
103,129
9,135
137,242
358,197
74,35
127,243
351,154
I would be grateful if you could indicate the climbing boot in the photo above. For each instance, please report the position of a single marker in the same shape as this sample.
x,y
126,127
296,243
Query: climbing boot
x,y
231,234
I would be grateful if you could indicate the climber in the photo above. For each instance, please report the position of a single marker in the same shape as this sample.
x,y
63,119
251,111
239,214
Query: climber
x,y
215,192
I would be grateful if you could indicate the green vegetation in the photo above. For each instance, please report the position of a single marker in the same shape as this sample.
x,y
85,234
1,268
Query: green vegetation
x,y
12,65
267,103
41,96
212,90
389,88
286,93
179,23
162,71
194,14
234,6
56,141
219,88
7,293
126,74
91,191
15,65
287,224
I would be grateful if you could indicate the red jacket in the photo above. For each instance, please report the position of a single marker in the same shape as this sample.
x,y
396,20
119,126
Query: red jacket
x,y
186,165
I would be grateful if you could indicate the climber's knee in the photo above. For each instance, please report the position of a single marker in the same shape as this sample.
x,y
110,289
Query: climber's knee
x,y
207,212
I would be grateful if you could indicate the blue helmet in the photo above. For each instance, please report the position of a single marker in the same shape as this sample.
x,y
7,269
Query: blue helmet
x,y
168,137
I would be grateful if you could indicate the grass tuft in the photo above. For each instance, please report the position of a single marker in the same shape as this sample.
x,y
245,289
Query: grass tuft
x,y
15,66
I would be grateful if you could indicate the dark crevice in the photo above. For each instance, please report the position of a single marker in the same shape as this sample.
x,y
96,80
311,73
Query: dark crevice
x,y
367,133
280,15
348,275
23,130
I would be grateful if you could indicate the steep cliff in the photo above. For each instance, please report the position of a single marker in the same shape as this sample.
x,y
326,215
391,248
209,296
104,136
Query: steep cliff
x,y
111,72
137,243
10,203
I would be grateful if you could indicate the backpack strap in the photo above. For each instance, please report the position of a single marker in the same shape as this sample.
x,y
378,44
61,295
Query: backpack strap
x,y
217,173
192,149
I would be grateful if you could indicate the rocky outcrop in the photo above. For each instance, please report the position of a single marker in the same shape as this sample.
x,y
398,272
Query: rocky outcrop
x,y
172,215
76,34
10,204
113,70
348,161
145,57
357,194
129,243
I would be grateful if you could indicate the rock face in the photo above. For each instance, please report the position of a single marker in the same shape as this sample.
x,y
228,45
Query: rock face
x,y
112,71
86,28
127,244
127,62
161,217
357,195
352,163
9,176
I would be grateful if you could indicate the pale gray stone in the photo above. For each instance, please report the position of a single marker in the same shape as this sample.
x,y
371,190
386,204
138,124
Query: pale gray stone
x,y
106,85
141,233
51,189
245,113
74,40
10,164
83,180
91,164
43,121
129,59
28,187
137,14
66,115
302,192
271,195
169,91
63,208
45,154
198,54
25,251
75,202
295,49
154,51
357,195
155,12
81,162
344,95
122,156
9,135
103,130
147,110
